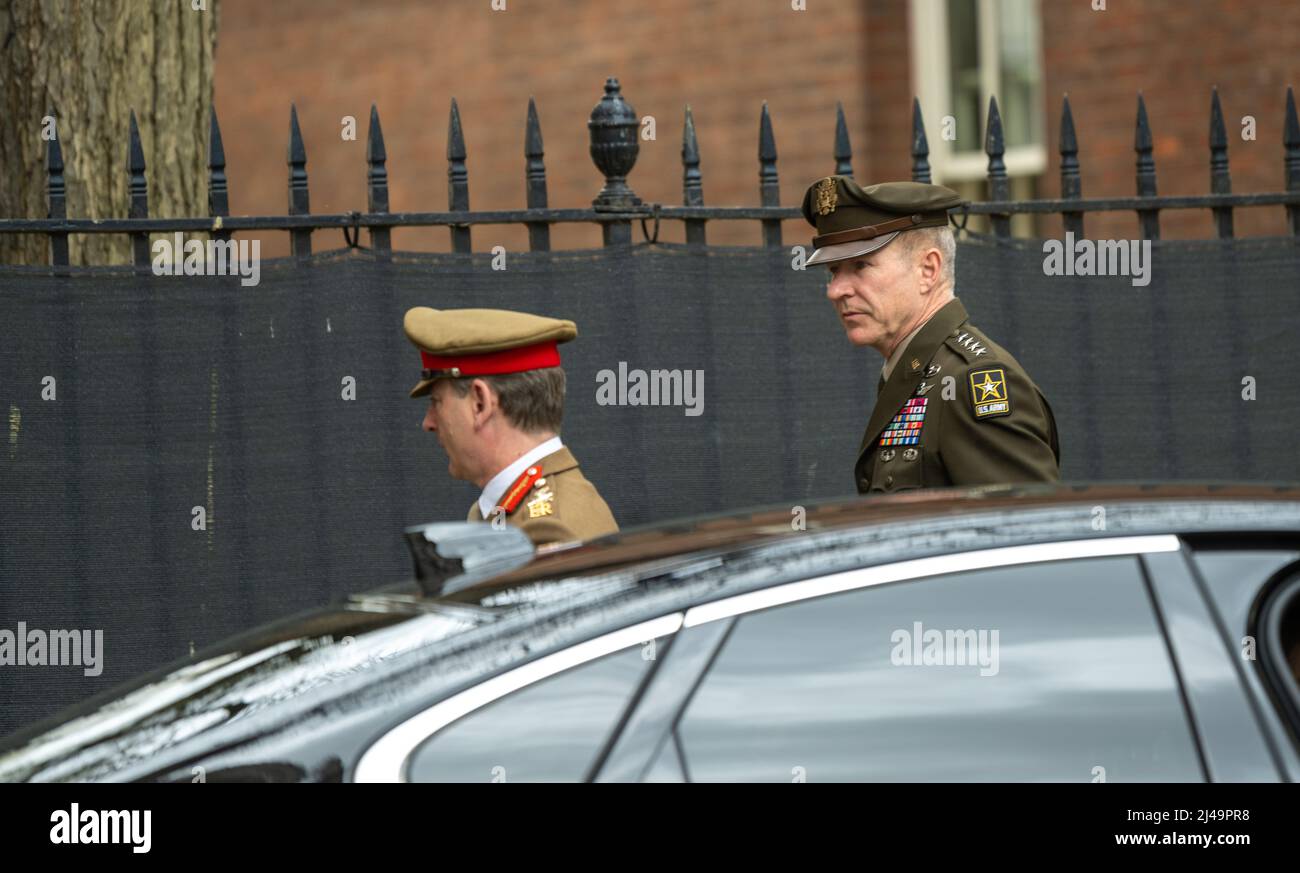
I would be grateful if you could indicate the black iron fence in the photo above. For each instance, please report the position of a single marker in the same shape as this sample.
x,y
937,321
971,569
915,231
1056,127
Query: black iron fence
x,y
170,400
613,130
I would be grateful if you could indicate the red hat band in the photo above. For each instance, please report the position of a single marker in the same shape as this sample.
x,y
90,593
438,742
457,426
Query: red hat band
x,y
534,357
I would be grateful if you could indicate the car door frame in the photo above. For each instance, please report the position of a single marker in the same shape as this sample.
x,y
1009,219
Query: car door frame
x,y
1233,744
657,707
653,718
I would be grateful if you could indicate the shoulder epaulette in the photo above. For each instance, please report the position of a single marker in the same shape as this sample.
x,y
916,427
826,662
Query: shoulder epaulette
x,y
516,492
967,344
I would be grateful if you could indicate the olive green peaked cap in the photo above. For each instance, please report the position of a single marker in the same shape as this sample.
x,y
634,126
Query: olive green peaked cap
x,y
852,221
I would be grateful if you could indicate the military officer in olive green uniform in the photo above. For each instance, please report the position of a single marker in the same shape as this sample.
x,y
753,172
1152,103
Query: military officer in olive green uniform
x,y
952,406
496,399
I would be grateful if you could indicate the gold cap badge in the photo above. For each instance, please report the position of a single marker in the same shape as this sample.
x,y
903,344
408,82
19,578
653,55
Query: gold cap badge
x,y
826,196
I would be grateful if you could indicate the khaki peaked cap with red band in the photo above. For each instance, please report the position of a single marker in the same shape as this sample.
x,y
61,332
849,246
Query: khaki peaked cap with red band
x,y
852,221
482,342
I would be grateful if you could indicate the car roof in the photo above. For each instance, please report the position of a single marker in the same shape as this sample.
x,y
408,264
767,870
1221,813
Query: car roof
x,y
1038,512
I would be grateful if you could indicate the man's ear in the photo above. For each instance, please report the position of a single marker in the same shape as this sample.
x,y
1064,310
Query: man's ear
x,y
931,267
483,399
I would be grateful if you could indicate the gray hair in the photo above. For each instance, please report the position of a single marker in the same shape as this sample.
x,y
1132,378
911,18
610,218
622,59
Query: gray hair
x,y
532,401
940,238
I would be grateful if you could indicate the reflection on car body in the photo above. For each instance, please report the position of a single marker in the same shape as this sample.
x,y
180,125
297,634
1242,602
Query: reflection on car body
x,y
1160,645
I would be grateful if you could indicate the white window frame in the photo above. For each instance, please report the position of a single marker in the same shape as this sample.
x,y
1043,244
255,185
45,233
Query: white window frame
x,y
931,65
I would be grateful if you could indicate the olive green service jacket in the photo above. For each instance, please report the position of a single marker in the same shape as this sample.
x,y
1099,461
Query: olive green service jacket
x,y
957,410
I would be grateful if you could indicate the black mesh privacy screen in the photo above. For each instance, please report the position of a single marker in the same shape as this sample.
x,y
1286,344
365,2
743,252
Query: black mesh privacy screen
x,y
174,393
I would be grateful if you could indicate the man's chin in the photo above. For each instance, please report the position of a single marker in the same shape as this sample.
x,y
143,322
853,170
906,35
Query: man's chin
x,y
860,336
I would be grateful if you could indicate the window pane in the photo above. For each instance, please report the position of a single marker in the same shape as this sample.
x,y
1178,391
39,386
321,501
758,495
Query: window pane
x,y
1235,577
548,732
1289,641
964,70
1018,71
1077,678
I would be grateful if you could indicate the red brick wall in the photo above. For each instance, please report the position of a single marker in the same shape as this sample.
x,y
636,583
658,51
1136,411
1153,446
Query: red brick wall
x,y
1173,51
886,95
336,57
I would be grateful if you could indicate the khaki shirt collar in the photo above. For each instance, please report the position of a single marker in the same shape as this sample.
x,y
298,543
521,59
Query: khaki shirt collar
x,y
902,347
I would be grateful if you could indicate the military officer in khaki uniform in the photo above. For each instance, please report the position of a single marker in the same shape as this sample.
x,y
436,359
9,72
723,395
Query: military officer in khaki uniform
x,y
496,399
952,406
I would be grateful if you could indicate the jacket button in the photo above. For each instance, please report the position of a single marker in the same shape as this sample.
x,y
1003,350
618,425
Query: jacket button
x,y
864,483
889,481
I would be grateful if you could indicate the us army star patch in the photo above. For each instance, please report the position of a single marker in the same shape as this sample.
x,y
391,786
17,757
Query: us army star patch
x,y
988,393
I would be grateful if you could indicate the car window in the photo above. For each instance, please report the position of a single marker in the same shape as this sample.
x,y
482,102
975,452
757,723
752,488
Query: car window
x,y
548,732
1050,671
1236,574
1234,578
1280,653
1288,660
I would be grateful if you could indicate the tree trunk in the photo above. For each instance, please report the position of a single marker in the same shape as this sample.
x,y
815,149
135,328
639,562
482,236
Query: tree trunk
x,y
88,63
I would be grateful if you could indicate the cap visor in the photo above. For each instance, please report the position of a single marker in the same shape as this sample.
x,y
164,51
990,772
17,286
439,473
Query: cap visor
x,y
854,249
424,387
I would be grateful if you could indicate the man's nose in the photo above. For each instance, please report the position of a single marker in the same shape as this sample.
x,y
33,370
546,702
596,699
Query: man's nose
x,y
839,286
430,426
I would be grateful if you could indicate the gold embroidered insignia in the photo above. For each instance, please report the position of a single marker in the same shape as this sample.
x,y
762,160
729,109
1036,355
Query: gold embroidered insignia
x,y
826,196
542,503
